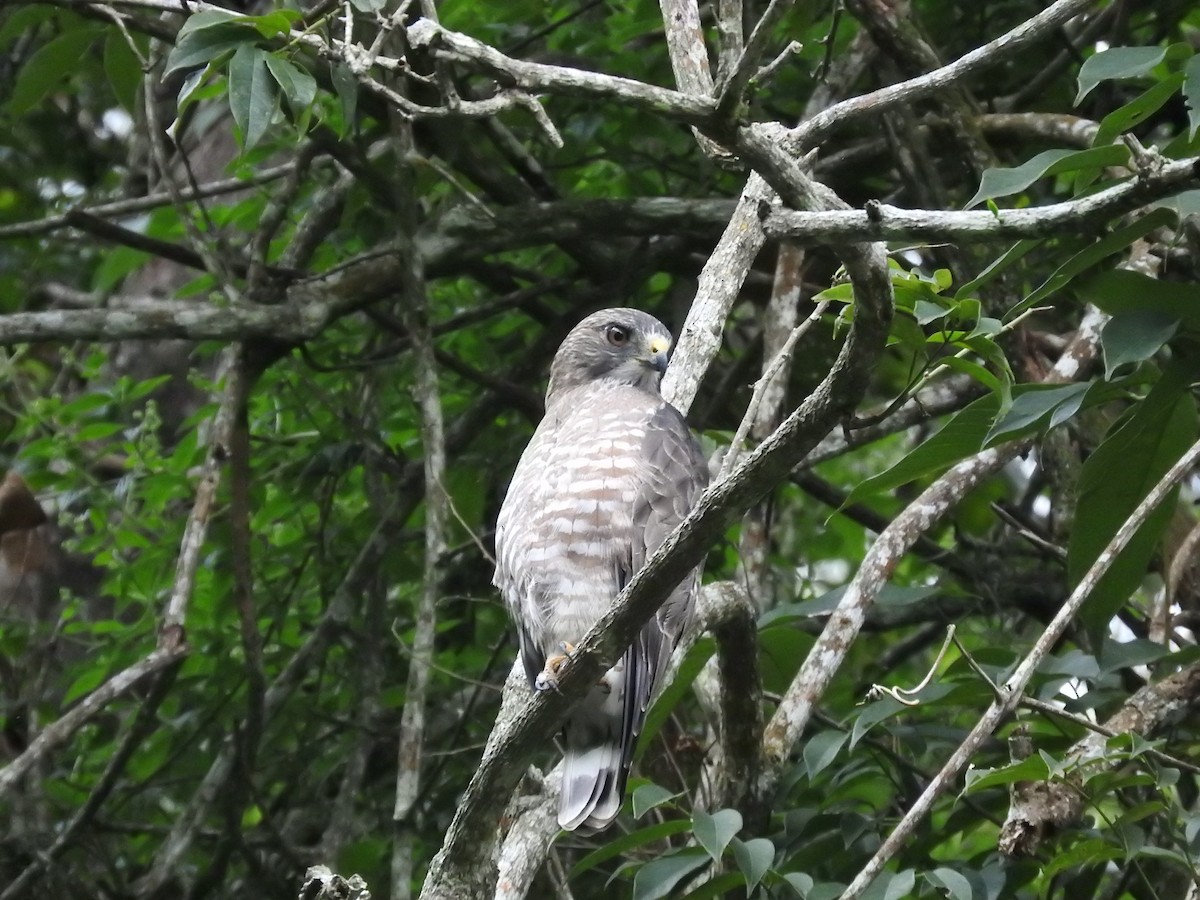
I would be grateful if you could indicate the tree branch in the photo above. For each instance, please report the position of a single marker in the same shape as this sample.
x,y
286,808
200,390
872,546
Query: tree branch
x,y
879,221
815,130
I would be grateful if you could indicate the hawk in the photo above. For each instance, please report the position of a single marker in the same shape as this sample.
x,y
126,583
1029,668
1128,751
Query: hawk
x,y
609,473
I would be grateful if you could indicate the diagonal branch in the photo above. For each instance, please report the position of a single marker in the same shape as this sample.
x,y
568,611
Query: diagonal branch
x,y
815,130
1011,691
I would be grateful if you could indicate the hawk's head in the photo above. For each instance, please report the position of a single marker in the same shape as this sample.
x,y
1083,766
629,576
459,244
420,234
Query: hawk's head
x,y
625,345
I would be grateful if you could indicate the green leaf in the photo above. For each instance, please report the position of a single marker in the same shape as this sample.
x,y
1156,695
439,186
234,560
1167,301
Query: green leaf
x,y
1031,769
754,858
1036,404
1119,62
656,879
822,749
1191,93
715,831
1183,204
975,371
1121,291
1115,479
1132,337
123,69
1136,111
955,885
799,882
1003,182
648,796
900,885
632,841
203,37
721,886
297,85
252,94
272,24
49,66
1000,264
1092,254
1116,655
960,437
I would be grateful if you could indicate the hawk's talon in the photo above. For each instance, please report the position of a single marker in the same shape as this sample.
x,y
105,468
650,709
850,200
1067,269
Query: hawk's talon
x,y
548,678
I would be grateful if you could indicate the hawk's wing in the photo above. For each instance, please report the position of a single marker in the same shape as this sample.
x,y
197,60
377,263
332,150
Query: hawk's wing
x,y
675,474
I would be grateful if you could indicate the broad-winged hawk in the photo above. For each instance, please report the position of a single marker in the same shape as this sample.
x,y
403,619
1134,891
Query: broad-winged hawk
x,y
609,473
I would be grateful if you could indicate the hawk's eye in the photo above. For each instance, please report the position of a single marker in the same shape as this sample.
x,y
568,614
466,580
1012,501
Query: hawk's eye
x,y
617,336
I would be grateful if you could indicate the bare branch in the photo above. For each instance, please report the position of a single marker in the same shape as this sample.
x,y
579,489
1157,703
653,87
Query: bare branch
x,y
879,221
816,129
445,44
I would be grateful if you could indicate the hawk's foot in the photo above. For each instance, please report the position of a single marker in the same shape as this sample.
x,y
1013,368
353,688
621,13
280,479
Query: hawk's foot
x,y
548,678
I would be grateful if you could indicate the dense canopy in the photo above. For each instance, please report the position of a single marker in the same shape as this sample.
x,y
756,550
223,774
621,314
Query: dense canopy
x,y
280,284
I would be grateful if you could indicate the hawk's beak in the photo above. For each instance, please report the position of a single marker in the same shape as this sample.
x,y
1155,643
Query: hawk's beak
x,y
659,347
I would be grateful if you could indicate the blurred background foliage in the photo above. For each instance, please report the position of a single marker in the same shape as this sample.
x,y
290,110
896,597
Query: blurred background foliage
x,y
272,746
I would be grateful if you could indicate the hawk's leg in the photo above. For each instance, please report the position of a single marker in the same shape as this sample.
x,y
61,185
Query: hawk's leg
x,y
548,677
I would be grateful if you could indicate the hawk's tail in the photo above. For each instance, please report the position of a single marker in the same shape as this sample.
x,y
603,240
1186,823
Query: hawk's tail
x,y
599,748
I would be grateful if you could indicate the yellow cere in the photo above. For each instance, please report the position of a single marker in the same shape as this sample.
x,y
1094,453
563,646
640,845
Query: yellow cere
x,y
660,345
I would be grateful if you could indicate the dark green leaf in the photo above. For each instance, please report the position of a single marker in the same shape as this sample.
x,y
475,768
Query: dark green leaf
x,y
959,438
1119,62
1001,182
1122,291
49,67
715,831
1130,338
252,93
821,749
639,838
754,858
1116,655
123,69
272,24
1037,404
297,85
1191,93
656,879
1000,264
1136,111
1031,769
1184,204
346,86
899,885
799,882
205,36
1114,480
649,796
952,883
1114,242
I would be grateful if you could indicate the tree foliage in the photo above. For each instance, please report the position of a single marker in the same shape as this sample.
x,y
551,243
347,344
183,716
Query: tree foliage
x,y
279,287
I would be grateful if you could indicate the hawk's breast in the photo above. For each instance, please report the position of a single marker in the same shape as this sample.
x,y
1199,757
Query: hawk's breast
x,y
564,536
